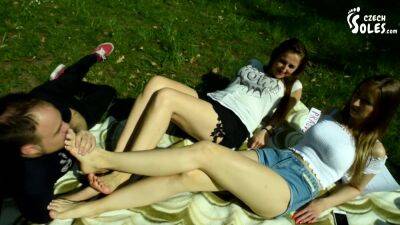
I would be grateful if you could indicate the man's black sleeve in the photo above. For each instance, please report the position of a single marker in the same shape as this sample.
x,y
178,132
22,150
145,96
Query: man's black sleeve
x,y
33,207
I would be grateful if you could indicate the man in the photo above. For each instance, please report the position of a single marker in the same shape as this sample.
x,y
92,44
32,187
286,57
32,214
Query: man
x,y
33,127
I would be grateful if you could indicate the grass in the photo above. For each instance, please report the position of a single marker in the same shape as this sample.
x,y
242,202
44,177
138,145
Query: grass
x,y
185,39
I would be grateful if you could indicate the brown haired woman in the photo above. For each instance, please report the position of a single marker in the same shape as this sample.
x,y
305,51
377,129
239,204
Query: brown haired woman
x,y
226,117
277,181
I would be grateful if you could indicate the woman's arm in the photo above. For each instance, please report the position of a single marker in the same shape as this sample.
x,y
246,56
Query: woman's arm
x,y
295,97
340,194
260,138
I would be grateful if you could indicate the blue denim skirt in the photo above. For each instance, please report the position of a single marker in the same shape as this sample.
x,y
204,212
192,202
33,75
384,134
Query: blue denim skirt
x,y
303,184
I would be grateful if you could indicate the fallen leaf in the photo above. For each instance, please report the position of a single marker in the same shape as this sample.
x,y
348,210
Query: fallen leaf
x,y
215,70
120,59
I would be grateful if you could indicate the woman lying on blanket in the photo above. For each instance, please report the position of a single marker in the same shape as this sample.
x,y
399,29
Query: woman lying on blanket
x,y
226,117
269,181
352,185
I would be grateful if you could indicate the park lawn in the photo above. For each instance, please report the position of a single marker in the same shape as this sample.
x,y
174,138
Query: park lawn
x,y
184,40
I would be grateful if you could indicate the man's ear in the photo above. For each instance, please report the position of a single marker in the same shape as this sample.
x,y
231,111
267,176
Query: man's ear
x,y
31,151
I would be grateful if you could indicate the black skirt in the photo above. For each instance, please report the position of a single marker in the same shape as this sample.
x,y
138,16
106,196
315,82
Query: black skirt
x,y
229,127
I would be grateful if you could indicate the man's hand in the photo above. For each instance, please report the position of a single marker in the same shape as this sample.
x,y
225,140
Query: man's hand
x,y
85,142
259,139
310,213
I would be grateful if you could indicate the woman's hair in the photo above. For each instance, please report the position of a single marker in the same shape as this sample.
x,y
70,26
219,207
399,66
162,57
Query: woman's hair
x,y
292,45
366,133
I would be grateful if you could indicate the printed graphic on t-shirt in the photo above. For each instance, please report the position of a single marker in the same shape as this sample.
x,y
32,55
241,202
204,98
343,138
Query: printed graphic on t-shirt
x,y
65,162
257,81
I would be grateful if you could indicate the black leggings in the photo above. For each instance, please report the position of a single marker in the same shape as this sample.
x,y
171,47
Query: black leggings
x,y
91,100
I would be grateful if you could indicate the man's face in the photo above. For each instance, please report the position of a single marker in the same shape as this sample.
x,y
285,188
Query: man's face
x,y
50,128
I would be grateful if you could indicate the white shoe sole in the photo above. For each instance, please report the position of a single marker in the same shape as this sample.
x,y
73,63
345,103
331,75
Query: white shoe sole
x,y
56,71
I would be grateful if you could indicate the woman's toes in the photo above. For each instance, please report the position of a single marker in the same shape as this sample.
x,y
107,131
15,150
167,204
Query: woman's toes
x,y
53,214
90,177
54,207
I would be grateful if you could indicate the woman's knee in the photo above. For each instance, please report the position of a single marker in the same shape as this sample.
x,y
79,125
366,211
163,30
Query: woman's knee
x,y
164,97
155,83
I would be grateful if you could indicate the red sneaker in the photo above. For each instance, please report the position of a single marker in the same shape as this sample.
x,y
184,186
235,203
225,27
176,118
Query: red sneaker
x,y
103,51
57,72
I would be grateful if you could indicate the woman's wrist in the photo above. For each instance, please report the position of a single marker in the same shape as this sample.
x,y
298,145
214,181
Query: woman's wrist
x,y
269,129
323,203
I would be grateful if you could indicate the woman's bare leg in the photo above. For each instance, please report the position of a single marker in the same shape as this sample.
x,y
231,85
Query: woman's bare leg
x,y
195,116
155,84
228,169
141,193
107,184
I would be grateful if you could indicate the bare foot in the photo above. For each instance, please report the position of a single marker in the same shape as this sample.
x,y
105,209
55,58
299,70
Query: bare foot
x,y
108,183
64,209
80,195
91,162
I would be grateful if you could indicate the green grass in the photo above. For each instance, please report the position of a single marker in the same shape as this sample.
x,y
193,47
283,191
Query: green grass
x,y
185,39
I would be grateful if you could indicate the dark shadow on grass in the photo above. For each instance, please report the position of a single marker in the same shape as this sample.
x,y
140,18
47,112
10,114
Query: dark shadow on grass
x,y
360,53
211,82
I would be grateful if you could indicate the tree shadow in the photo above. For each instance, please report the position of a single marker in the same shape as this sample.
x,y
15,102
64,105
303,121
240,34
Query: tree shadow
x,y
211,82
359,52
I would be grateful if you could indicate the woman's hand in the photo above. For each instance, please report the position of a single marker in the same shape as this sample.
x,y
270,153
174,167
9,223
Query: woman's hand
x,y
259,139
310,213
85,142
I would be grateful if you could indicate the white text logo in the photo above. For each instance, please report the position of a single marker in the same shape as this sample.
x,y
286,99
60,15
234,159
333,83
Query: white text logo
x,y
367,24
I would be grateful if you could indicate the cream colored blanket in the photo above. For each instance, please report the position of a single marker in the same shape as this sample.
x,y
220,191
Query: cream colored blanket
x,y
207,208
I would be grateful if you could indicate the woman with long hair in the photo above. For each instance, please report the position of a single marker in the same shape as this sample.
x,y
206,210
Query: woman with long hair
x,y
226,117
277,181
371,155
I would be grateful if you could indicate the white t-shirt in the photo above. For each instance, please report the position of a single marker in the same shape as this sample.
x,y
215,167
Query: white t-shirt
x,y
252,95
329,149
